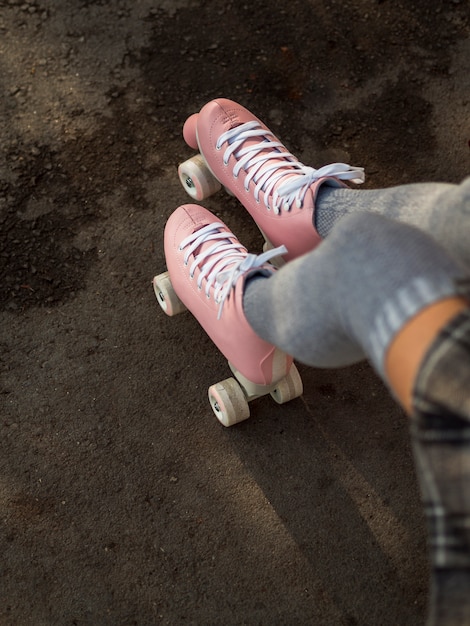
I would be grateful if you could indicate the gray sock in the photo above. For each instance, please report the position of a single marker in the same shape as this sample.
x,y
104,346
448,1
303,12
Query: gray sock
x,y
440,209
346,300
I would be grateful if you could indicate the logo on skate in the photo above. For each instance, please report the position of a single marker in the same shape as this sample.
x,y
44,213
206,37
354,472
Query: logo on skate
x,y
231,119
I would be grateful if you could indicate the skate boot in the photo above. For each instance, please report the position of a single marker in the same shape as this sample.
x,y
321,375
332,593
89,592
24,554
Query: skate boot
x,y
207,269
237,151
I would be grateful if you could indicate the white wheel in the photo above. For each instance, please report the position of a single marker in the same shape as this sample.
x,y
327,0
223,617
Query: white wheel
x,y
166,295
229,402
197,179
289,387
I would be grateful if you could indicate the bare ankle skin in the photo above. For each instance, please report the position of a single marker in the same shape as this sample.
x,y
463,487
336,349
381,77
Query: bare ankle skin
x,y
410,344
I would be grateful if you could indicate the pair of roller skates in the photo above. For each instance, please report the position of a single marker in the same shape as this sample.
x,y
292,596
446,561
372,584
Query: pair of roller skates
x,y
207,265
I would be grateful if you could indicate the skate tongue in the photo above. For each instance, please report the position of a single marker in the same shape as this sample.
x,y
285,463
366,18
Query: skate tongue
x,y
310,175
222,237
275,172
211,249
228,278
235,123
261,156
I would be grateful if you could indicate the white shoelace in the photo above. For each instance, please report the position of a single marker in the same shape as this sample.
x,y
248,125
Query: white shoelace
x,y
223,263
266,175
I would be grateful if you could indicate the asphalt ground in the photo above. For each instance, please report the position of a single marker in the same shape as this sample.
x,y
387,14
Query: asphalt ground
x,y
122,500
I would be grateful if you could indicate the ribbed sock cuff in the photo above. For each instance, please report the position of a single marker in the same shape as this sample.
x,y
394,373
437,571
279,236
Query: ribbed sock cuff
x,y
407,302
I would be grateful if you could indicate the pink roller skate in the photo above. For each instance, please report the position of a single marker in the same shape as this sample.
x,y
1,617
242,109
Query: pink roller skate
x,y
239,152
207,269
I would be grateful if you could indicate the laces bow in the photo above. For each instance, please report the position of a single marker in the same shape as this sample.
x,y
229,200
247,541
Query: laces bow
x,y
222,263
267,162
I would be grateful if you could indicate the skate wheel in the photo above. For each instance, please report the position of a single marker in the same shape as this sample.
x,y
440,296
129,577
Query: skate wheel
x,y
166,295
189,131
197,179
289,387
229,402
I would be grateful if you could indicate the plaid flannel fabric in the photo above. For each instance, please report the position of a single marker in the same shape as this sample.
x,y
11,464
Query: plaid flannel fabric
x,y
441,442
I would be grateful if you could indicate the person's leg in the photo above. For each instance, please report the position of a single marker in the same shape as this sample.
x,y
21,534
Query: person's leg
x,y
440,209
440,434
428,365
346,299
383,290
